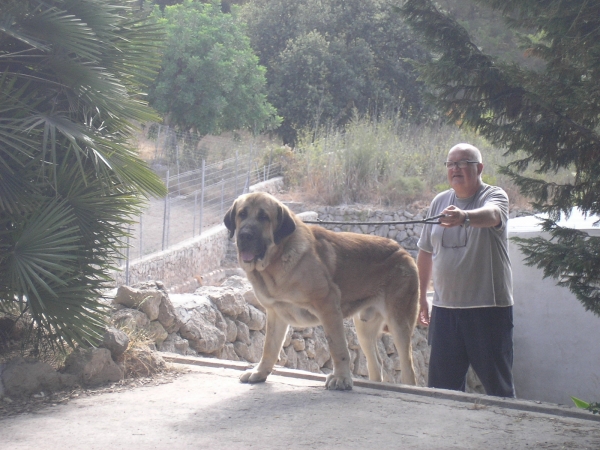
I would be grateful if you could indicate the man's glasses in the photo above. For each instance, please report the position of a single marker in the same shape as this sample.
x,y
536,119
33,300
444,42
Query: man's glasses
x,y
460,164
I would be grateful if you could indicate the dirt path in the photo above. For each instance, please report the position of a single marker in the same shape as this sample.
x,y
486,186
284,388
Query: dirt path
x,y
208,408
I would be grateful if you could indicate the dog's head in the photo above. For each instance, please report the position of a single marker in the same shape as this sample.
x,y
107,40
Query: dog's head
x,y
260,222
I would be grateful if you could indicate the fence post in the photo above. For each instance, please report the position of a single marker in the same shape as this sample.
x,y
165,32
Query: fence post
x,y
165,213
202,194
195,209
247,185
222,195
177,158
235,191
168,219
269,166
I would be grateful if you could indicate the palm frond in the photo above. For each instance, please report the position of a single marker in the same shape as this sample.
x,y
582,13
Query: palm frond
x,y
72,80
41,249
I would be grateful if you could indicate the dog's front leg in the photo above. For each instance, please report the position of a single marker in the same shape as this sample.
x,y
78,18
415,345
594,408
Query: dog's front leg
x,y
276,330
333,324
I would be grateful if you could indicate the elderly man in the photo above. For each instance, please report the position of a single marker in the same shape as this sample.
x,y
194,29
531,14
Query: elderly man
x,y
467,254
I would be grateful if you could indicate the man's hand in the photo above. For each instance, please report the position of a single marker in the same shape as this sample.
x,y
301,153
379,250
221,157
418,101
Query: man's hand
x,y
453,217
424,318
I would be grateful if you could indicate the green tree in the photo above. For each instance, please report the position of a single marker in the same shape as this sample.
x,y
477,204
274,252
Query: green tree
x,y
210,80
551,116
326,60
71,80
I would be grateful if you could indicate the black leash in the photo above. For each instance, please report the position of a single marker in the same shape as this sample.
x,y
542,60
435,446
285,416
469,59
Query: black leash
x,y
406,222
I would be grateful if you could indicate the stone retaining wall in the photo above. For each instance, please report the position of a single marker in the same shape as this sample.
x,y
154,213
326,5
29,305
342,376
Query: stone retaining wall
x,y
407,235
228,322
181,266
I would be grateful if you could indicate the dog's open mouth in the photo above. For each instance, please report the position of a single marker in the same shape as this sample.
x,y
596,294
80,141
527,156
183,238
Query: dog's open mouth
x,y
249,256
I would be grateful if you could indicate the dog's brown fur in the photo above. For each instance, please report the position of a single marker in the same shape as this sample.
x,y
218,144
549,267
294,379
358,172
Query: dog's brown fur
x,y
306,275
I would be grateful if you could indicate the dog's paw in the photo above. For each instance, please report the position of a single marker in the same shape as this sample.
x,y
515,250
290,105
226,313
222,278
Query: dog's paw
x,y
338,383
253,376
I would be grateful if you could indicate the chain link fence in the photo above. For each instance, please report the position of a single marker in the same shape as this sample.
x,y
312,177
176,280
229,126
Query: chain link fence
x,y
200,187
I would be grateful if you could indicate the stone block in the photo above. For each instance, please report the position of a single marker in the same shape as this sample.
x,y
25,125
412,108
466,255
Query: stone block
x,y
116,341
23,377
93,366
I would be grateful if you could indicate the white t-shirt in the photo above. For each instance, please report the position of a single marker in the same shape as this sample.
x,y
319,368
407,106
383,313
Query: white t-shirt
x,y
471,266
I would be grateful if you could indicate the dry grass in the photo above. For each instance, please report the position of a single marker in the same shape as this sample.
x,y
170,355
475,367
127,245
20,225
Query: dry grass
x,y
388,163
139,360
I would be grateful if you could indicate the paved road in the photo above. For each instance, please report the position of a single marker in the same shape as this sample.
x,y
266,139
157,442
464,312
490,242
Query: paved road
x,y
207,408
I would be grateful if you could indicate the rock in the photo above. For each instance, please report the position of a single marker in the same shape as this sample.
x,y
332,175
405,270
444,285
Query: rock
x,y
227,300
383,231
389,373
20,376
93,366
167,315
388,343
145,300
306,332
116,341
360,365
401,236
126,296
253,351
237,282
291,358
231,333
130,319
395,360
322,354
309,347
156,332
298,343
243,333
419,339
244,288
305,363
254,318
351,336
175,344
198,319
151,285
150,304
228,352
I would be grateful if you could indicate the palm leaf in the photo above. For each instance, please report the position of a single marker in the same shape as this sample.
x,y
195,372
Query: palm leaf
x,y
42,250
73,74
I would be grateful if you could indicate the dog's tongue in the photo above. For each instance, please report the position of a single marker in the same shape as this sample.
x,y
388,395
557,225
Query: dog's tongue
x,y
247,256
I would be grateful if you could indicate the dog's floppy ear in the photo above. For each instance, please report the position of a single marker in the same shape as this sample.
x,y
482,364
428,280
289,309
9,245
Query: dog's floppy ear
x,y
285,224
229,220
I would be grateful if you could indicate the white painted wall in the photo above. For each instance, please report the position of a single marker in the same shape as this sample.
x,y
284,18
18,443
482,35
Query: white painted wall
x,y
556,341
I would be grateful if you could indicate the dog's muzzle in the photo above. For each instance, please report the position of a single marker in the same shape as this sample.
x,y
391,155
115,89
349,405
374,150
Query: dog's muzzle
x,y
250,243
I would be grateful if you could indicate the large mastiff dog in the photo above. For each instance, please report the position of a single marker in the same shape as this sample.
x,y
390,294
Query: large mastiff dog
x,y
306,275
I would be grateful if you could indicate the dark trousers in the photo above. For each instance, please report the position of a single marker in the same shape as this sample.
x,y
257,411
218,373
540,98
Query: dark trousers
x,y
481,337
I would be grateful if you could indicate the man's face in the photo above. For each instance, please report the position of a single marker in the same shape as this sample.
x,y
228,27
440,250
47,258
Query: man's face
x,y
464,181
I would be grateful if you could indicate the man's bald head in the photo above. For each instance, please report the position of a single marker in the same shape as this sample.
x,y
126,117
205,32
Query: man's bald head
x,y
471,150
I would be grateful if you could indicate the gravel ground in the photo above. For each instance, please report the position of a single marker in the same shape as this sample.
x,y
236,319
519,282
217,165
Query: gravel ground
x,y
208,407
26,405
